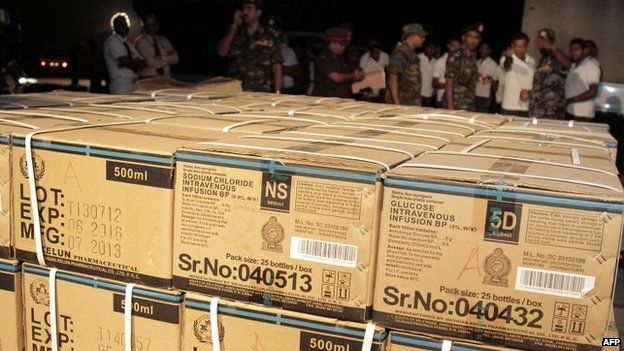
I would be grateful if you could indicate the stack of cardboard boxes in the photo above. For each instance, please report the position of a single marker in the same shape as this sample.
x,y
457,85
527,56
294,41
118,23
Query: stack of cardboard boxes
x,y
276,222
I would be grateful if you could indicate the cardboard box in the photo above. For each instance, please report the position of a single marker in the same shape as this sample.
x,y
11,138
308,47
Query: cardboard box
x,y
74,98
158,86
448,131
274,218
557,122
11,327
403,341
10,124
584,131
576,155
490,120
90,313
244,327
547,140
515,253
106,195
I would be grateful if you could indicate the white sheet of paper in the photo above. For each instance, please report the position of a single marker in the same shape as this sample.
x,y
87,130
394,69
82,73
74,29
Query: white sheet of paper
x,y
375,80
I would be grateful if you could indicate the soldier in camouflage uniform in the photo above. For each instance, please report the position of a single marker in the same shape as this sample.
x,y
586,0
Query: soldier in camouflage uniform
x,y
462,71
547,99
404,68
254,52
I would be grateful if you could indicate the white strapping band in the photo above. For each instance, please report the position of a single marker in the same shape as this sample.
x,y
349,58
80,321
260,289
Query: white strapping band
x,y
538,141
17,123
367,343
446,345
156,92
394,129
253,147
513,174
522,159
274,117
168,104
128,317
365,139
101,113
318,114
541,132
331,142
50,115
214,324
53,313
576,158
474,146
534,120
32,182
133,107
407,119
571,124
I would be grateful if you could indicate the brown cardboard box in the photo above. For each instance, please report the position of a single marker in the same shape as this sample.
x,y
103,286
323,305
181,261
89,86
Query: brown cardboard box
x,y
449,131
164,85
515,253
274,218
73,98
571,154
11,327
106,195
90,313
557,122
246,327
403,341
18,123
584,131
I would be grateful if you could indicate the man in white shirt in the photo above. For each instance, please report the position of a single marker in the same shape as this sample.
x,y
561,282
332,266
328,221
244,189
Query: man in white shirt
x,y
439,69
592,52
487,75
427,61
582,82
122,59
157,50
373,60
519,70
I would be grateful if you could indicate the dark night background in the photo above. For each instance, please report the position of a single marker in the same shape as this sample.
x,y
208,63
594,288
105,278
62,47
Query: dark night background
x,y
60,29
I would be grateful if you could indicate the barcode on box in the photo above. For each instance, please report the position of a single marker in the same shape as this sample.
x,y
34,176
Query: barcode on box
x,y
323,252
554,283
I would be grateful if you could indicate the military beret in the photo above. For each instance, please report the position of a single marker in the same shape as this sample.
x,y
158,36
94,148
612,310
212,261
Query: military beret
x,y
259,3
475,27
547,33
337,34
414,29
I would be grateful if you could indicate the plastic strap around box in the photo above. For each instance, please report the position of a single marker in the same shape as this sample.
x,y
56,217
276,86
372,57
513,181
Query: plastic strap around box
x,y
354,158
53,312
475,145
101,113
32,182
446,345
128,317
50,115
214,324
166,104
395,129
279,118
597,146
238,110
156,92
576,158
17,123
528,160
571,124
369,333
513,174
134,108
291,112
446,116
450,124
319,114
365,139
331,142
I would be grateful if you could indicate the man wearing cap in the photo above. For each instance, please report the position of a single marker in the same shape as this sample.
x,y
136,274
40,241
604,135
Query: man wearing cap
x,y
253,50
332,75
547,99
462,71
405,83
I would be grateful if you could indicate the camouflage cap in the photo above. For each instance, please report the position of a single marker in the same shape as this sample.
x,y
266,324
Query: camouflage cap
x,y
259,3
475,27
547,33
337,35
414,29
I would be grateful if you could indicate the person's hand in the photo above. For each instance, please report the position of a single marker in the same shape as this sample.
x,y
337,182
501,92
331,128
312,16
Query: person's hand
x,y
359,74
525,95
238,18
509,52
